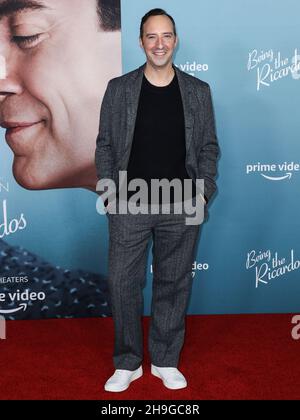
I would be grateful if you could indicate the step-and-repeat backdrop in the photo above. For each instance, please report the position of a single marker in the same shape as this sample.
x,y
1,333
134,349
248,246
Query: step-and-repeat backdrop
x,y
54,66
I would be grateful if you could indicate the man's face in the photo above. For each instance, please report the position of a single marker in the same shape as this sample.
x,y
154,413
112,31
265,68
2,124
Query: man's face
x,y
55,63
158,41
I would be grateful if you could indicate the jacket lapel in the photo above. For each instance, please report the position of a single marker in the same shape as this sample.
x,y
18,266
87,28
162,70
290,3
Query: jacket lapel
x,y
186,95
133,89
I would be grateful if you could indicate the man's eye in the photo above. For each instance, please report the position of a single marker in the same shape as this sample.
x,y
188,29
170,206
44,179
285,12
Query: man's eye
x,y
25,41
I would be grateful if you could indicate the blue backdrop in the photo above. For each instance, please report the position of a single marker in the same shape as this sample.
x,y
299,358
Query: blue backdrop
x,y
244,49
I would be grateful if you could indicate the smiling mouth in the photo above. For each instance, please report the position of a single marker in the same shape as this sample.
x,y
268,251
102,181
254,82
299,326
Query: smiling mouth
x,y
18,135
12,130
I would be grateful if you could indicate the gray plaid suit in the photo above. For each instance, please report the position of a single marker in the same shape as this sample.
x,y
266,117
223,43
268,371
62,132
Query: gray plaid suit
x,y
174,242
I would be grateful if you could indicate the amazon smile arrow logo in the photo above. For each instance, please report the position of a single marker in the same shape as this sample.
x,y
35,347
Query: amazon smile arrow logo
x,y
278,178
11,311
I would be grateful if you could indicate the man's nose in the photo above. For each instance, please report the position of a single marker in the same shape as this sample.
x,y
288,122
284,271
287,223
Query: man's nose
x,y
159,43
8,81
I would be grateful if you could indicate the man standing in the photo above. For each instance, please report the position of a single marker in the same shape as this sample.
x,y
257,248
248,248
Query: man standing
x,y
156,122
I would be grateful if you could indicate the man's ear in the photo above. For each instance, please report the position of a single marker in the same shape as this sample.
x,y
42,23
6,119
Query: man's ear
x,y
141,43
176,41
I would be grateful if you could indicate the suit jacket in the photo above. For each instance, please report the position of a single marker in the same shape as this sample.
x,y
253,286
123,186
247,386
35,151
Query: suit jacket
x,y
117,123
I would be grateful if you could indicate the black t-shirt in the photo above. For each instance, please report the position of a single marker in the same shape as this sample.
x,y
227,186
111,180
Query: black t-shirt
x,y
158,148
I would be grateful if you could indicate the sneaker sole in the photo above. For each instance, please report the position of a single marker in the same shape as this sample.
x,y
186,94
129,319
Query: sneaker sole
x,y
135,376
154,373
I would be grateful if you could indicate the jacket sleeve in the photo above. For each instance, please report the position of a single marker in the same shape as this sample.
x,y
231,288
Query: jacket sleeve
x,y
103,154
210,149
104,161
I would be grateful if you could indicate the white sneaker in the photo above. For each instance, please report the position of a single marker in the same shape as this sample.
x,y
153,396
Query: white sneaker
x,y
171,377
121,379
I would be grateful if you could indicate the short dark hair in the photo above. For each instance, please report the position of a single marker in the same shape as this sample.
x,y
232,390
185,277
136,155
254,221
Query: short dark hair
x,y
109,12
156,12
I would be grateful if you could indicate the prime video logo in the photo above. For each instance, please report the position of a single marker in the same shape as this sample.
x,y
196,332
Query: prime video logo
x,y
273,171
21,298
192,68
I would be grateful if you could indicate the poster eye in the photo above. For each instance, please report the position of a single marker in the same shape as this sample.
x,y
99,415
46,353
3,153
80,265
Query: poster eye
x,y
26,41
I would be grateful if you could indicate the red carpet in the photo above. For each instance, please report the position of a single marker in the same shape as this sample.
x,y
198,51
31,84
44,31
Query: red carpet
x,y
224,357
